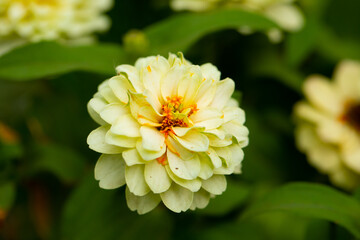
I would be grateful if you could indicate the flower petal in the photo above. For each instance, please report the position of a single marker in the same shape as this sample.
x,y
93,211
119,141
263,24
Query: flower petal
x,y
201,199
121,141
170,82
132,157
206,166
288,16
194,141
135,180
215,185
95,106
193,185
323,95
126,125
143,204
110,171
132,74
96,141
217,142
177,198
347,78
187,169
148,155
156,177
224,90
113,111
214,157
210,118
120,86
152,139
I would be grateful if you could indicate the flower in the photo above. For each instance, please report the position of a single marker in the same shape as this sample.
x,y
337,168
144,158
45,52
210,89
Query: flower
x,y
328,129
37,20
283,12
169,130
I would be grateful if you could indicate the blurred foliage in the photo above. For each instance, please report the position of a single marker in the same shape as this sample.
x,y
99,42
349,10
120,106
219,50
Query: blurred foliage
x,y
47,190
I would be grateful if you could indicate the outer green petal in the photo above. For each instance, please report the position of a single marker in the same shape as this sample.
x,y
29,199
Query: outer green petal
x,y
177,198
142,204
156,177
110,171
135,180
215,185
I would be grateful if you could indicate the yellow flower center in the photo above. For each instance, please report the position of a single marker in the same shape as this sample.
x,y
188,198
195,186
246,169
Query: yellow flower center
x,y
175,114
352,116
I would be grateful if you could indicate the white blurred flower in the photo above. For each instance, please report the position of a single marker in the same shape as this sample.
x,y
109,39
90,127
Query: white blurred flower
x,y
37,20
169,130
328,130
283,12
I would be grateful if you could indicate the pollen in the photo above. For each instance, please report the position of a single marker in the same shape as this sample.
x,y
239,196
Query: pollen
x,y
175,114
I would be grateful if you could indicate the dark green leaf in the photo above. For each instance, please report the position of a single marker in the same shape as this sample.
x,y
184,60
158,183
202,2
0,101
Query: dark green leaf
x,y
234,196
7,195
179,32
46,59
312,200
92,213
61,161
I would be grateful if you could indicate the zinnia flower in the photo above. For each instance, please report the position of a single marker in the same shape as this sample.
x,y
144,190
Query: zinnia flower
x,y
37,20
169,130
328,129
283,12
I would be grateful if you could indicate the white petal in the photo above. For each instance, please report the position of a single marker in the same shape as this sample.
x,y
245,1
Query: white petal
x,y
214,157
193,185
217,142
121,141
347,78
96,141
132,157
234,113
187,169
110,171
224,90
152,139
205,93
120,86
194,141
322,94
236,129
107,92
135,180
192,78
147,116
177,198
126,125
210,118
148,155
132,74
210,72
95,106
288,16
182,131
156,177
306,112
113,111
206,166
170,82
142,204
201,199
215,185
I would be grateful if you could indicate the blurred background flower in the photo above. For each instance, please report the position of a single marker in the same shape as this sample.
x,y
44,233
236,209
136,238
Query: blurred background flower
x,y
73,21
283,12
329,124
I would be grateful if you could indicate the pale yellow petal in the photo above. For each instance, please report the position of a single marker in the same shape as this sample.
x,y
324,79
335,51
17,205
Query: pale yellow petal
x,y
177,198
135,180
143,204
110,171
96,141
156,177
215,185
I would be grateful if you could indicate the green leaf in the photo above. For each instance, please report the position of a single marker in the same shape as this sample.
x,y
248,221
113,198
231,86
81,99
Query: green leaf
x,y
47,58
300,44
7,195
63,162
312,200
335,48
178,33
92,213
234,196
